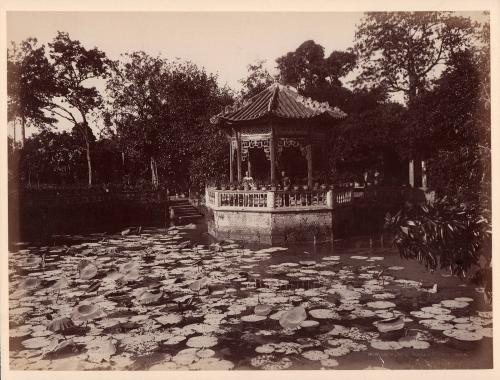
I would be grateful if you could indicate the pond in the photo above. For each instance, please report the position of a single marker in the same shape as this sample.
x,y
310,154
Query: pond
x,y
172,299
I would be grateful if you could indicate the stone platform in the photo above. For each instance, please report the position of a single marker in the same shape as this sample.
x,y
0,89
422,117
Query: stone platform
x,y
270,217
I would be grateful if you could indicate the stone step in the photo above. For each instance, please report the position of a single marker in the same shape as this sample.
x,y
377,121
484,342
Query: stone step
x,y
184,210
190,217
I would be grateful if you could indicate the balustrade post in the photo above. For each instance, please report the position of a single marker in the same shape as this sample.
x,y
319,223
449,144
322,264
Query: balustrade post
x,y
270,199
217,198
329,198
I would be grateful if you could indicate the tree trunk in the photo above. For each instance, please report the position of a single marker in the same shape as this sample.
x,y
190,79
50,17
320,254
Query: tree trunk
x,y
89,161
154,173
23,130
84,130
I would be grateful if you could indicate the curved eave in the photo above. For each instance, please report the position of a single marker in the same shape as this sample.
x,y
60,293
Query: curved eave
x,y
224,121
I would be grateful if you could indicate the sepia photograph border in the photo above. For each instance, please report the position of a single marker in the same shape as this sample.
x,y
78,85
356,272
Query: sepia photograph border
x,y
246,6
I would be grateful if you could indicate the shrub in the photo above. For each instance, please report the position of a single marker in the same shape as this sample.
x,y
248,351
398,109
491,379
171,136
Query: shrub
x,y
442,234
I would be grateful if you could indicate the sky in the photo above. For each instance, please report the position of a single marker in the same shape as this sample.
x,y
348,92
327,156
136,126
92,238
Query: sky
x,y
222,43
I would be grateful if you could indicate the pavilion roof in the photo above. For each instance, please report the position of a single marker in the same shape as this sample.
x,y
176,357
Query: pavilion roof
x,y
278,101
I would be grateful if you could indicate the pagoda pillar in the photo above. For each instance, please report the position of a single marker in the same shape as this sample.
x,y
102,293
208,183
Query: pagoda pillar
x,y
309,160
231,163
272,156
238,155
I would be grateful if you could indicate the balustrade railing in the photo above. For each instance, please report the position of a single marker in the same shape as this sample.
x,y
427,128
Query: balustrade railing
x,y
243,198
267,199
280,199
343,196
300,198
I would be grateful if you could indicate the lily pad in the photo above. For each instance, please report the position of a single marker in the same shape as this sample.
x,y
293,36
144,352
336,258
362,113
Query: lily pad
x,y
381,304
172,341
329,363
212,364
309,323
262,309
270,362
463,335
454,304
414,341
265,349
169,319
315,355
291,319
253,318
338,351
34,343
202,341
464,299
323,314
385,345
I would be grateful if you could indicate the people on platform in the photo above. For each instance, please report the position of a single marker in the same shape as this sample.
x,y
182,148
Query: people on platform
x,y
248,181
285,180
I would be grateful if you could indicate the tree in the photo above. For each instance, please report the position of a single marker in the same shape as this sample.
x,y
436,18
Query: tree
x,y
75,70
401,50
367,139
50,158
30,85
258,79
315,76
161,112
455,124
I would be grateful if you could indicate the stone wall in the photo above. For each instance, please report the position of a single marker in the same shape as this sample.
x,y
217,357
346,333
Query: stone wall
x,y
271,227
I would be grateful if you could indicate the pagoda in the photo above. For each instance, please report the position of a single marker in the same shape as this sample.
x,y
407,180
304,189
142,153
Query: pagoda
x,y
276,131
272,121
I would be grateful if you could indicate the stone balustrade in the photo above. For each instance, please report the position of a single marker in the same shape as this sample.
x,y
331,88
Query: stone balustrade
x,y
278,216
280,199
270,200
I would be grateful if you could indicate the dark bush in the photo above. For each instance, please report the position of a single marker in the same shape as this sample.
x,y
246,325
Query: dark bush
x,y
442,234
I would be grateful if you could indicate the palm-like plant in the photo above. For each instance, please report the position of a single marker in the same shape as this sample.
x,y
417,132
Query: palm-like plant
x,y
442,234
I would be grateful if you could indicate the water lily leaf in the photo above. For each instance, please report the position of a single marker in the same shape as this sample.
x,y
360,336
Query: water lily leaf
x,y
214,364
86,312
262,309
30,283
34,343
169,319
463,334
88,271
323,314
381,304
265,349
454,304
61,325
253,318
292,319
202,341
315,355
329,363
385,345
98,354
